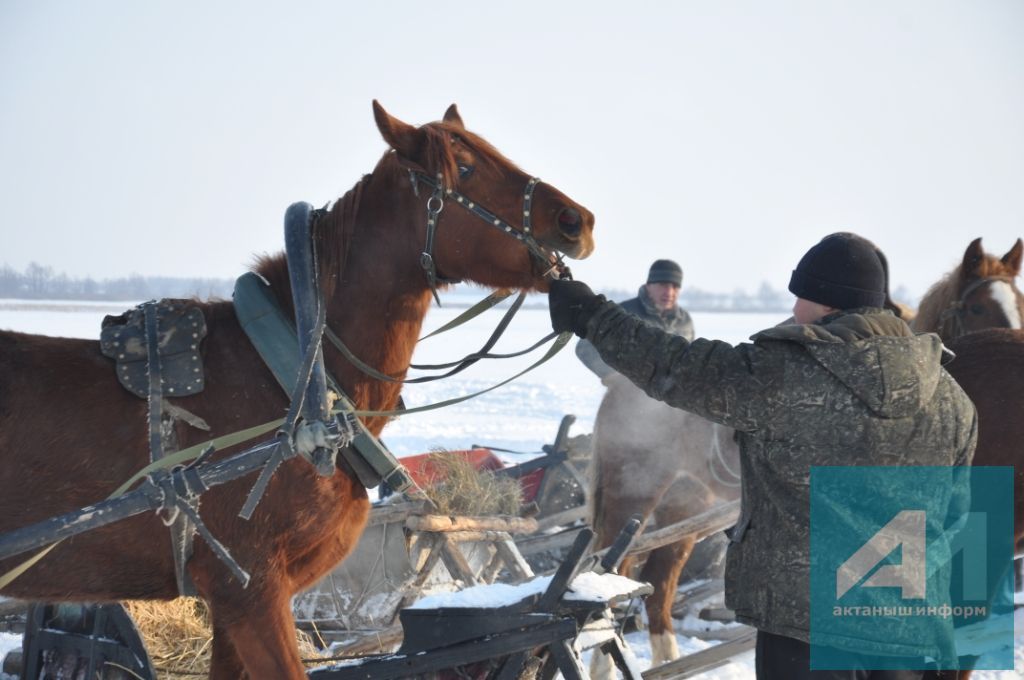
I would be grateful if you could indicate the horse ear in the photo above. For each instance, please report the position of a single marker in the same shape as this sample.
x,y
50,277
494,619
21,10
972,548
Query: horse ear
x,y
452,117
402,137
1012,259
973,257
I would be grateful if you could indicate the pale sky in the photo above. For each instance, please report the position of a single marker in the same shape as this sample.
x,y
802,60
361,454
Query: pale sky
x,y
167,138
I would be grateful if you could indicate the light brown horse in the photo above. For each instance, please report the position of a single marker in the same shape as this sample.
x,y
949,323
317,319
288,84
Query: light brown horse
x,y
980,293
69,434
660,462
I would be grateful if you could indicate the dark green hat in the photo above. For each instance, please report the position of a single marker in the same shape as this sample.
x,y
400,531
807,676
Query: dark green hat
x,y
665,271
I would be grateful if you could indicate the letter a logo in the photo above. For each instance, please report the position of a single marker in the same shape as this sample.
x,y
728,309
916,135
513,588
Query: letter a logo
x,y
905,530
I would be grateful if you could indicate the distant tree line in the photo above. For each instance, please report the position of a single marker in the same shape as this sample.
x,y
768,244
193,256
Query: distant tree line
x,y
40,282
765,299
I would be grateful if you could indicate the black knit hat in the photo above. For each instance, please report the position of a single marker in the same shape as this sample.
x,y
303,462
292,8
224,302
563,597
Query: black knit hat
x,y
665,271
842,271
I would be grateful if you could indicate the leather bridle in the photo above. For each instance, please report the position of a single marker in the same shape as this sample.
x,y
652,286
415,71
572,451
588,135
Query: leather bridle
x,y
524,234
956,311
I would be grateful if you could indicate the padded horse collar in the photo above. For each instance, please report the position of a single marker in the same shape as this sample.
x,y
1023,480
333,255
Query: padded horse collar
x,y
524,235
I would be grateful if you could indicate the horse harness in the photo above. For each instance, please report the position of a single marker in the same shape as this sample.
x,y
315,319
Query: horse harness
x,y
435,204
956,311
156,350
155,347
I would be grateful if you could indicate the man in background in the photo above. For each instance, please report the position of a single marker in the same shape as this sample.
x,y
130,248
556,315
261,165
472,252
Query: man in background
x,y
656,304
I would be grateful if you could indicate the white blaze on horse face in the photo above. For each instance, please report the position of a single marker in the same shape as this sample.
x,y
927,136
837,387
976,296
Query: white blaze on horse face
x,y
1004,294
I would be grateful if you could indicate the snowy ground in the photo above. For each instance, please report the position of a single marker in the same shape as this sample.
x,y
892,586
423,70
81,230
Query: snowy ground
x,y
522,415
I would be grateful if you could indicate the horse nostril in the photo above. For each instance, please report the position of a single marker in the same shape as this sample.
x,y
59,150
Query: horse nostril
x,y
569,222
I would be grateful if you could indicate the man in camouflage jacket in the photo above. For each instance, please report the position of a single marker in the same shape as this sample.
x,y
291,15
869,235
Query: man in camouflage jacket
x,y
655,303
848,384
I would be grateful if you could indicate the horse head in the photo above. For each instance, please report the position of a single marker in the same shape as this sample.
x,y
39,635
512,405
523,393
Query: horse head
x,y
484,219
988,294
980,293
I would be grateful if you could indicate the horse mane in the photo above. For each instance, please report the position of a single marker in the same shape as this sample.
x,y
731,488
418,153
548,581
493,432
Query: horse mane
x,y
332,232
937,300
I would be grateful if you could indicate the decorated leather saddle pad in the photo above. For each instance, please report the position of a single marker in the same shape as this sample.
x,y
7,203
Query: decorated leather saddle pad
x,y
180,329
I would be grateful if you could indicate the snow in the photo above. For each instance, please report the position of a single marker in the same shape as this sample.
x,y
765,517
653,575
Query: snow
x,y
494,595
522,416
587,587
8,643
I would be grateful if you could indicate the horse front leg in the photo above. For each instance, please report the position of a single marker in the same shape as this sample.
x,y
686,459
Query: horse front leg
x,y
224,660
686,498
662,571
261,635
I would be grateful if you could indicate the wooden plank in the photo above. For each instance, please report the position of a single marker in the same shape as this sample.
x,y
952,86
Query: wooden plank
x,y
394,512
492,568
704,660
456,562
433,547
560,581
562,518
513,559
475,536
538,544
716,635
353,644
514,525
396,666
512,667
430,545
623,657
568,660
703,525
717,614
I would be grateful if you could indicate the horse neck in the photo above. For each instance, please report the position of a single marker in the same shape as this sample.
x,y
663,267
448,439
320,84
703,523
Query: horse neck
x,y
380,297
933,312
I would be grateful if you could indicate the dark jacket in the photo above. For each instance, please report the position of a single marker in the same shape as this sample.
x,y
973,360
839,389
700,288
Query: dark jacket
x,y
859,388
676,321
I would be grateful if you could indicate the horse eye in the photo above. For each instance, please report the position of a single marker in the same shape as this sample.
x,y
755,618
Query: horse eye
x,y
465,170
977,309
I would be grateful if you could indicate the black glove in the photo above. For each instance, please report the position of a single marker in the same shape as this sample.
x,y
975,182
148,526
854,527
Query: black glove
x,y
571,304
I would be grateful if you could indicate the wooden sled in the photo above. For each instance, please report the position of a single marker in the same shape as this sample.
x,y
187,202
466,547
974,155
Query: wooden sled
x,y
538,634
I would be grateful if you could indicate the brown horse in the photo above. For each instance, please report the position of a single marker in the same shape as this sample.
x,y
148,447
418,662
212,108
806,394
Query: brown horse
x,y
69,434
977,310
980,293
659,461
989,365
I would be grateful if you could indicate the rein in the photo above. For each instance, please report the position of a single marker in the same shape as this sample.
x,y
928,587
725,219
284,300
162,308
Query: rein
x,y
435,204
455,366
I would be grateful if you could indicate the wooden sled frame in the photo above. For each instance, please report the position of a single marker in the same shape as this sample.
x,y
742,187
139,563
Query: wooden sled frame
x,y
545,625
